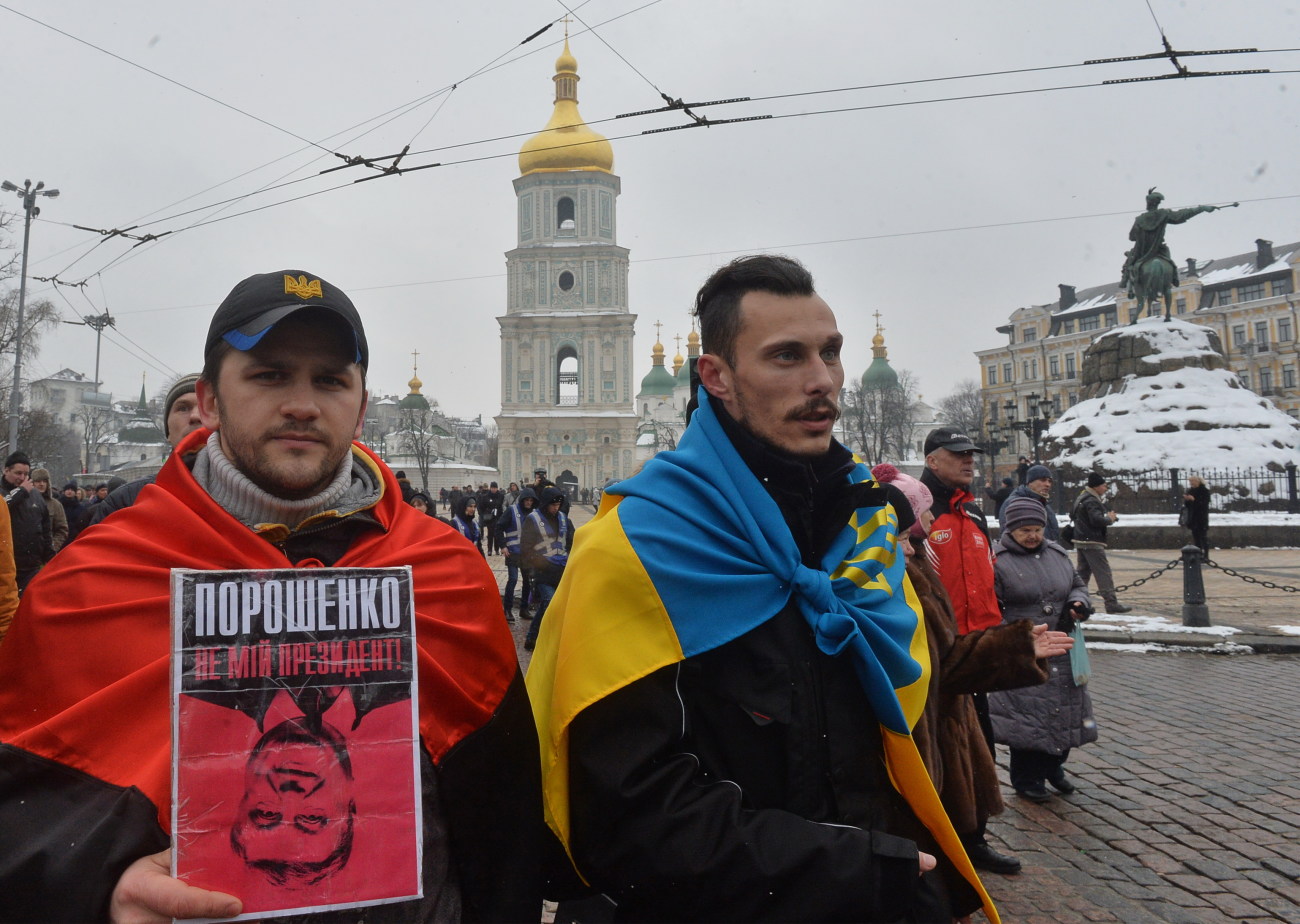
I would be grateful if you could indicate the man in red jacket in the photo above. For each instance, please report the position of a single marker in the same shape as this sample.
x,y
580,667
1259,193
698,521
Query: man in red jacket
x,y
960,551
275,480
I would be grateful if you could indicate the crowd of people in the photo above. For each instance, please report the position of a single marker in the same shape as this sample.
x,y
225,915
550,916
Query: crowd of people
x,y
729,712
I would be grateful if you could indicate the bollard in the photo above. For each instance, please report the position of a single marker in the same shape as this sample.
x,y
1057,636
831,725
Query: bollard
x,y
1195,612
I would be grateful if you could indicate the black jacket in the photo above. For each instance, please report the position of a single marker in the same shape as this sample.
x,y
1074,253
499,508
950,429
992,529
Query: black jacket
x,y
748,783
30,519
1090,520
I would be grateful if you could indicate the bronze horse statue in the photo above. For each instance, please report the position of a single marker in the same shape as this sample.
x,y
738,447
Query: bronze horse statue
x,y
1149,272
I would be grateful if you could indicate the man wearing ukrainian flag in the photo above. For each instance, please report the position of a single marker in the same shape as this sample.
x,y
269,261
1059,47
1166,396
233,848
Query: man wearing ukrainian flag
x,y
729,672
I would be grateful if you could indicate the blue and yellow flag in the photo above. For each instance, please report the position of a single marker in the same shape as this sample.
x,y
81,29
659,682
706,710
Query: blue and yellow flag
x,y
693,552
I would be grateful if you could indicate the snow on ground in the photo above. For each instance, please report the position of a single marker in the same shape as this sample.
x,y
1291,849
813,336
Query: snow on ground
x,y
1288,630
1136,622
1255,518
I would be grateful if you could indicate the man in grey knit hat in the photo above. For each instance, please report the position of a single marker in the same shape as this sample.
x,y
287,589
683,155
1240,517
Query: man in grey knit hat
x,y
180,418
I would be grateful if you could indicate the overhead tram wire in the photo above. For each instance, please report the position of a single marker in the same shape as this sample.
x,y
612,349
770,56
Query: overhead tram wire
x,y
396,112
840,110
496,156
154,73
763,248
164,369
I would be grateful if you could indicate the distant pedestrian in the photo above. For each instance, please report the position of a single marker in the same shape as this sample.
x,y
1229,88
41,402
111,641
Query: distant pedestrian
x,y
1041,724
999,497
73,506
58,517
1196,508
545,542
1091,518
29,516
421,502
509,528
464,519
1038,485
1022,471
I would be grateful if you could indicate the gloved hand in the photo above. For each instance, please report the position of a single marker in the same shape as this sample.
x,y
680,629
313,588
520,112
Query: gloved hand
x,y
1079,610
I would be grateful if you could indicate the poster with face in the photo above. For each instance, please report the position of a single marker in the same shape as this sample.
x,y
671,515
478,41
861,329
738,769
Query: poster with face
x,y
295,772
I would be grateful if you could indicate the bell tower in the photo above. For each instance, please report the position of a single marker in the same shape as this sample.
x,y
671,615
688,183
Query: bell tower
x,y
566,336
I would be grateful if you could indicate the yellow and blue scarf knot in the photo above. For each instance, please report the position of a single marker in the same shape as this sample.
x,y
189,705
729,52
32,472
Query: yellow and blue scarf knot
x,y
731,564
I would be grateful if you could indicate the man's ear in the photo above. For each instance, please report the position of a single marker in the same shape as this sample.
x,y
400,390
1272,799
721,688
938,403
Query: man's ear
x,y
715,375
361,417
929,462
209,409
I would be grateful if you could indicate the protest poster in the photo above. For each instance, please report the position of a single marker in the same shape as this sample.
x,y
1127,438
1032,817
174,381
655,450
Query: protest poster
x,y
295,739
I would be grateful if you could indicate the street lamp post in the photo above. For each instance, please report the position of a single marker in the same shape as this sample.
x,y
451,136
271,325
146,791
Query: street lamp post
x,y
1040,418
994,443
28,194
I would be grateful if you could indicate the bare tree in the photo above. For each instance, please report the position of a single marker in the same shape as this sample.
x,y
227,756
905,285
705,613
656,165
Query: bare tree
x,y
418,437
51,445
964,409
96,423
878,421
39,316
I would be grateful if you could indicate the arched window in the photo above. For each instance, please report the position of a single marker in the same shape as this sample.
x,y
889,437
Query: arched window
x,y
566,377
564,214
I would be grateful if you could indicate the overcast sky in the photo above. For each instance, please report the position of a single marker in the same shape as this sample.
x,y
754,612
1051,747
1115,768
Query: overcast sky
x,y
942,216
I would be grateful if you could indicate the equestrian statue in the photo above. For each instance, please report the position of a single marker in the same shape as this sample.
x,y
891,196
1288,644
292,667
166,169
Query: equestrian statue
x,y
1149,272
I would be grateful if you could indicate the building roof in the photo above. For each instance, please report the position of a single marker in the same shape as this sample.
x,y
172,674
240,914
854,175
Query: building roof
x,y
658,381
567,142
880,374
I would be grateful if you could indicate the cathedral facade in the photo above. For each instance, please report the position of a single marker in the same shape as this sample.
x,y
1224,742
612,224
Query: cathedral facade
x,y
566,336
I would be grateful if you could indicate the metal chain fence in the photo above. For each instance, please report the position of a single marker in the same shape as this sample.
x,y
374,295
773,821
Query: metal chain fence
x,y
1271,585
1150,577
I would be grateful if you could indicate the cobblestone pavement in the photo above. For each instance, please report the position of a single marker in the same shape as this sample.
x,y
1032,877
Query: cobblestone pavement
x,y
1188,808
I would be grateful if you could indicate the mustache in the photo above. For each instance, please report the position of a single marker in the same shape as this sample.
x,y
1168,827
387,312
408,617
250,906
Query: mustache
x,y
296,429
815,406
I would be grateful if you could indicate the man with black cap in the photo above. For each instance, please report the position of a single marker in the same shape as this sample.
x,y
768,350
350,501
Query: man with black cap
x,y
961,553
1091,517
180,418
275,480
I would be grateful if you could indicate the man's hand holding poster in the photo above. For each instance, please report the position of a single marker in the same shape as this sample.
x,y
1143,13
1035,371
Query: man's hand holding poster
x,y
295,740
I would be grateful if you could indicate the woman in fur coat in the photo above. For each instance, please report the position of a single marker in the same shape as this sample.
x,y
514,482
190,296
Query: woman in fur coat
x,y
948,735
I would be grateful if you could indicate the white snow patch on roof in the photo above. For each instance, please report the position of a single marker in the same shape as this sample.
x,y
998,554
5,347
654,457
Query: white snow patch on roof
x,y
1088,304
1242,270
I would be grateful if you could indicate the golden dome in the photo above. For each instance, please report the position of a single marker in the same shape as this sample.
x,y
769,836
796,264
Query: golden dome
x,y
566,143
415,385
657,354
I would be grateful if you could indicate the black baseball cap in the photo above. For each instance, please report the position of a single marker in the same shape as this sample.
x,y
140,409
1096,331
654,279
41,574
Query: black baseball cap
x,y
949,438
260,302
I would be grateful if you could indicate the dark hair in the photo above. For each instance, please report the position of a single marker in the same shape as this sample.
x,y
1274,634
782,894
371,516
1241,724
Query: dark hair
x,y
717,304
17,458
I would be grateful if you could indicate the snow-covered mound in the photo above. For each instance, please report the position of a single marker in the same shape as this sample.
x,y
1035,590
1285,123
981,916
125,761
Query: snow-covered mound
x,y
1158,395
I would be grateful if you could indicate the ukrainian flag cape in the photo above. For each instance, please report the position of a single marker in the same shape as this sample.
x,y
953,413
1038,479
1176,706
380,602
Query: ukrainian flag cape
x,y
637,596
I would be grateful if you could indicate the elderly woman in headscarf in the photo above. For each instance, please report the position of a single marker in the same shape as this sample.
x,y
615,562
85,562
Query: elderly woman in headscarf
x,y
948,735
1036,584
